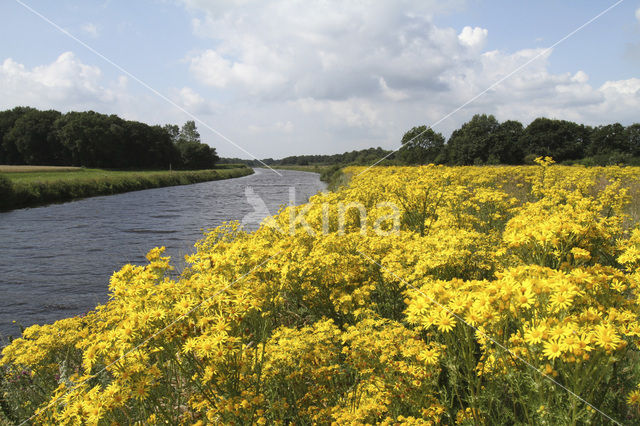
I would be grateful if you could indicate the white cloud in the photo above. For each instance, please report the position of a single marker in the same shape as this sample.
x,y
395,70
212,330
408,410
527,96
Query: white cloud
x,y
638,14
310,77
473,37
357,74
90,29
66,81
391,94
68,84
580,77
192,101
191,98
211,69
277,127
323,50
627,87
216,71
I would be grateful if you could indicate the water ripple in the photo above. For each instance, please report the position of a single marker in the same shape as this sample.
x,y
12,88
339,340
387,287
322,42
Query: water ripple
x,y
55,261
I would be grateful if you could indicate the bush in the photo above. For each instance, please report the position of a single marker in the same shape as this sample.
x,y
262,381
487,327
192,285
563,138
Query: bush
x,y
529,159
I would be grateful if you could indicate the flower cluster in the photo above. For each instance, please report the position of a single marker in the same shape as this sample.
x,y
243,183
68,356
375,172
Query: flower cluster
x,y
413,295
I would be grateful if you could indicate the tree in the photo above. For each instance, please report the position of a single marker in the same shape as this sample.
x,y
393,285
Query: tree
x,y
95,140
151,146
189,132
421,145
632,136
607,139
503,145
173,131
35,139
560,139
9,153
98,140
163,146
193,154
196,155
30,136
472,143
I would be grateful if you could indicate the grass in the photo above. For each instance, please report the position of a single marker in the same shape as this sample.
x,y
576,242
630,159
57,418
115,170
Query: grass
x,y
23,169
29,186
80,175
331,174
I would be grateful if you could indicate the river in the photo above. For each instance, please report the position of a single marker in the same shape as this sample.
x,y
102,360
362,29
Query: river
x,y
55,261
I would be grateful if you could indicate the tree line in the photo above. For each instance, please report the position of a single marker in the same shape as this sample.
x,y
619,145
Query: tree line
x,y
484,140
89,139
364,156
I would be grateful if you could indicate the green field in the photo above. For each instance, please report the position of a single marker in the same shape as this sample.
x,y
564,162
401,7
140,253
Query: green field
x,y
27,186
331,174
80,174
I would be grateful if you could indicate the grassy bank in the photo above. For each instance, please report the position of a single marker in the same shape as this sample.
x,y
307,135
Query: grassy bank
x,y
32,187
331,174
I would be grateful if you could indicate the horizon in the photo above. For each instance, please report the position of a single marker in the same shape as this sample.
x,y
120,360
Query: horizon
x,y
286,79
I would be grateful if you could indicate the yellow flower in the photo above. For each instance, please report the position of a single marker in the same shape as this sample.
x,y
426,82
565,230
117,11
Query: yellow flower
x,y
526,255
445,322
430,356
524,298
534,335
552,349
634,398
606,337
560,300
141,390
571,343
184,305
580,254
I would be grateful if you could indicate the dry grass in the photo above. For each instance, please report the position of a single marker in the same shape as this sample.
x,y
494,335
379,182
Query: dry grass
x,y
22,169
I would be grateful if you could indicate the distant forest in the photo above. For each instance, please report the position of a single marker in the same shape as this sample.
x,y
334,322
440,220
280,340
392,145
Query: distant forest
x,y
89,139
33,137
365,156
484,140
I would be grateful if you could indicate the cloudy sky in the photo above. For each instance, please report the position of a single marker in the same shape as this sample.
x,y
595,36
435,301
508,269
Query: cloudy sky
x,y
288,77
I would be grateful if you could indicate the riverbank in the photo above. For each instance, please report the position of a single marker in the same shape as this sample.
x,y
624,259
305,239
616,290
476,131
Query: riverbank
x,y
19,189
331,174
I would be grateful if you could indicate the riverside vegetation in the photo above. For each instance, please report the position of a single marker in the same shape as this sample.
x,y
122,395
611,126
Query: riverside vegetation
x,y
468,295
32,188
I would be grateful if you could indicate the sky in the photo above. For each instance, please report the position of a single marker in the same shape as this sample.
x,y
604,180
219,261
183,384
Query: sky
x,y
290,77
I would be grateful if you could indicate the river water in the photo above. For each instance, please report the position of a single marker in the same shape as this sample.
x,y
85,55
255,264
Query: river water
x,y
55,261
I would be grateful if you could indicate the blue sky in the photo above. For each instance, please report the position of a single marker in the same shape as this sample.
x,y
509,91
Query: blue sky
x,y
599,49
292,77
